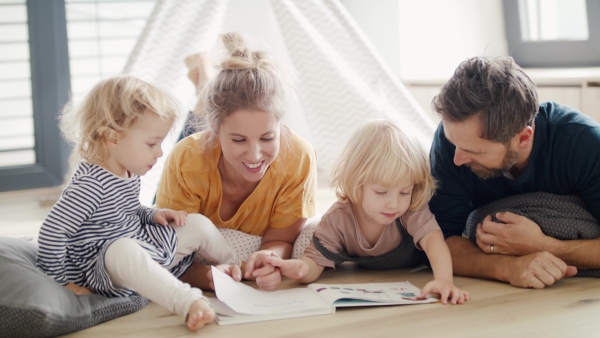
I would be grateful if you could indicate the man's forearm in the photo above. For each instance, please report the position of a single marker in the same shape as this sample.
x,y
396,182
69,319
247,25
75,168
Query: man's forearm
x,y
535,270
469,261
581,253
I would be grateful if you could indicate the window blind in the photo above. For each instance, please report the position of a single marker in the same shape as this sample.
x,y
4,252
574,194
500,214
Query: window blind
x,y
16,112
101,34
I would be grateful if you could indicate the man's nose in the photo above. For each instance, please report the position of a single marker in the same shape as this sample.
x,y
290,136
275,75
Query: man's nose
x,y
460,157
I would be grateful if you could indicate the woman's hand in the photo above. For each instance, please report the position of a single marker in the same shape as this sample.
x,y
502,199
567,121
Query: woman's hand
x,y
289,268
266,275
233,271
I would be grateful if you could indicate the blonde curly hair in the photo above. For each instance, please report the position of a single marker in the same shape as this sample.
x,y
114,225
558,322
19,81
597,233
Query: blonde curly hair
x,y
381,152
111,106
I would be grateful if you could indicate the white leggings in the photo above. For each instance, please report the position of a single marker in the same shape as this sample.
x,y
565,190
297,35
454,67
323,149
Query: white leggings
x,y
130,266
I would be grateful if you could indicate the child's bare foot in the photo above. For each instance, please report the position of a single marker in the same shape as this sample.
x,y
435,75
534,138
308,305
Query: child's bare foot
x,y
199,315
200,69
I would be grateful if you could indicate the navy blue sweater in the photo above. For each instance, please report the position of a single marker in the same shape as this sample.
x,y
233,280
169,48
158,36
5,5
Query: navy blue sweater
x,y
565,159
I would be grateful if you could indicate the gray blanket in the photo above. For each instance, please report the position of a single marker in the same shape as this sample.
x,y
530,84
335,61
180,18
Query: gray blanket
x,y
563,217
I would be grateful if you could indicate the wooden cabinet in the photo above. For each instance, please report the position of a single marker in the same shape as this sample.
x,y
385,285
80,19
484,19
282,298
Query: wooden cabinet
x,y
570,96
576,87
590,100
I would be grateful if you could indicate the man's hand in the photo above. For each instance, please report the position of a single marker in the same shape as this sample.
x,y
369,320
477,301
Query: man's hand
x,y
164,216
537,270
78,290
516,236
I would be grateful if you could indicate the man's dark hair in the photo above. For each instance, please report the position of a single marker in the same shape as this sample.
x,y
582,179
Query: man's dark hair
x,y
497,89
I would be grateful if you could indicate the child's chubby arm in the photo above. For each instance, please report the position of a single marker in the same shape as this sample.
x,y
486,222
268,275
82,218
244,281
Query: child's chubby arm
x,y
78,290
438,253
304,270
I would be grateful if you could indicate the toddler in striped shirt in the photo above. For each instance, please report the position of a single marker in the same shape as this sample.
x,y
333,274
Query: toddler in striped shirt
x,y
98,238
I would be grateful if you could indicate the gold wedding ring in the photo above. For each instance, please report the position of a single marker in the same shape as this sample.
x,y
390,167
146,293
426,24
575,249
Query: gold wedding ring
x,y
492,248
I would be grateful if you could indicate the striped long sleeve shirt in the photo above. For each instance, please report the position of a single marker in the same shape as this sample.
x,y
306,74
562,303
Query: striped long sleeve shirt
x,y
95,209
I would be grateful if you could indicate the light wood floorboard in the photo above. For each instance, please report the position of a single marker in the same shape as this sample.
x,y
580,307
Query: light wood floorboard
x,y
570,308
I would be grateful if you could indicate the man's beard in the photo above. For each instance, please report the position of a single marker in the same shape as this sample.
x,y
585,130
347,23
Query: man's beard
x,y
510,159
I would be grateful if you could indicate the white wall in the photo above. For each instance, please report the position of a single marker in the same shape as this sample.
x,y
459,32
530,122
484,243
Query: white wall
x,y
426,39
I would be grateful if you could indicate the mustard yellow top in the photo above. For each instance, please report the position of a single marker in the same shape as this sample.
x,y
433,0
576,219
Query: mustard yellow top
x,y
191,182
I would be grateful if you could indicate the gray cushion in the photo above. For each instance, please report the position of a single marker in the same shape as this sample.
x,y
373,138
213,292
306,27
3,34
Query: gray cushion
x,y
34,305
565,217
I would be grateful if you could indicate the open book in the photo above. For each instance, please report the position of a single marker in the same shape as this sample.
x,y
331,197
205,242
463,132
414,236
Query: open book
x,y
239,303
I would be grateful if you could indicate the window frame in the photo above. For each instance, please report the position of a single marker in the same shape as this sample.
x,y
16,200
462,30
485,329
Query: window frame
x,y
50,81
553,54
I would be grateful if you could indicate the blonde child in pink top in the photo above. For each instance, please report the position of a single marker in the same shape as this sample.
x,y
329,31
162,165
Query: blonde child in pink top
x,y
383,184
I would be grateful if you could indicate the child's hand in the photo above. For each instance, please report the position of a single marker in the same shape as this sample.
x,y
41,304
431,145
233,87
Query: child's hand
x,y
231,270
164,216
290,268
266,275
446,290
78,290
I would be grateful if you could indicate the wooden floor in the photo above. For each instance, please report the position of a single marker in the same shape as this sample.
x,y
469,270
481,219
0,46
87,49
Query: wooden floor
x,y
570,308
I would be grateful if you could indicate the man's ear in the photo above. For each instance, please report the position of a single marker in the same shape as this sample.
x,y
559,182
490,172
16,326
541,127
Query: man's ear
x,y
525,137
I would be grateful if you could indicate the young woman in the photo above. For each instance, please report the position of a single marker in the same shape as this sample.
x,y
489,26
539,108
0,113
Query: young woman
x,y
245,171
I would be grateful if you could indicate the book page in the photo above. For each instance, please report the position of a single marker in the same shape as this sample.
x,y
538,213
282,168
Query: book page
x,y
245,299
226,316
369,294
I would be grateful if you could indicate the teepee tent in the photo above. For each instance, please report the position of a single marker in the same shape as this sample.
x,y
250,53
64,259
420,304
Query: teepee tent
x,y
343,80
